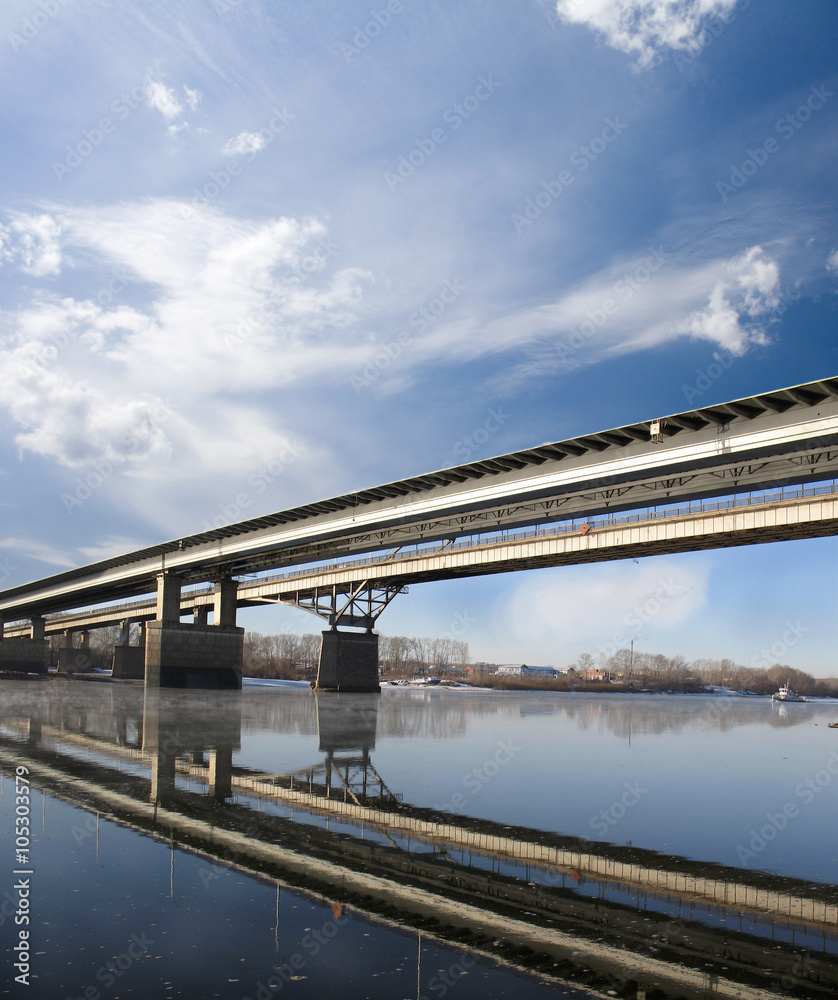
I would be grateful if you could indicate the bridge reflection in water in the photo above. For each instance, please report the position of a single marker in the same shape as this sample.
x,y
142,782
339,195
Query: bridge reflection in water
x,y
616,918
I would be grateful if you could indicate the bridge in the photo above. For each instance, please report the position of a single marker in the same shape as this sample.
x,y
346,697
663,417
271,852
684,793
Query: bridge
x,y
641,489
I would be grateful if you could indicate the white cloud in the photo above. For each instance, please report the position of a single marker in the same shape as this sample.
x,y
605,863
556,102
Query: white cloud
x,y
234,307
245,142
162,98
34,242
604,601
832,262
192,97
113,546
646,28
737,303
39,551
226,314
636,304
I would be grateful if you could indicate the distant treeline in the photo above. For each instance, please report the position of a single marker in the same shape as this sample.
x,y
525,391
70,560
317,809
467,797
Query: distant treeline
x,y
656,672
296,656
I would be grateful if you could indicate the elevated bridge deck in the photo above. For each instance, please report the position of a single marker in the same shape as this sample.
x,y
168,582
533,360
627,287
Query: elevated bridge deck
x,y
761,443
785,437
796,514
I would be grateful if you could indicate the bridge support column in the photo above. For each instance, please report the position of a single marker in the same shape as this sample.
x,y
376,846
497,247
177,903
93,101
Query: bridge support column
x,y
193,655
24,655
71,660
224,603
128,660
220,772
348,662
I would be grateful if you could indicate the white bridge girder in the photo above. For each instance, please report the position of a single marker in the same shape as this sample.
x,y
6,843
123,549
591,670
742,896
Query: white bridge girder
x,y
356,605
787,436
328,590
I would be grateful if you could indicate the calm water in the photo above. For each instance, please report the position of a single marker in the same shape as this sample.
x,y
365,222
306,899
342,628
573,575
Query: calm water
x,y
244,845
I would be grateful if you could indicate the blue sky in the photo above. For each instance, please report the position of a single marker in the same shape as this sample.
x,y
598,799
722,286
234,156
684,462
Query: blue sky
x,y
254,254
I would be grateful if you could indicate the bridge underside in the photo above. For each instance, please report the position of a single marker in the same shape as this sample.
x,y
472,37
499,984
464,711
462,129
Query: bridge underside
x,y
353,596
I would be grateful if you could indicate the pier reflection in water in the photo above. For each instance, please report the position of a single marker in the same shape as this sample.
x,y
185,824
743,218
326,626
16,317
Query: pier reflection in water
x,y
235,845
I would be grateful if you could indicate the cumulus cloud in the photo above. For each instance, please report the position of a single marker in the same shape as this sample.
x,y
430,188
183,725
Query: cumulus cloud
x,y
245,142
832,262
738,302
231,308
34,243
647,28
192,97
162,98
210,317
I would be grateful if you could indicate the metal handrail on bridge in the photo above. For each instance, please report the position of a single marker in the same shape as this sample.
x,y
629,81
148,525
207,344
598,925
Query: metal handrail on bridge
x,y
488,538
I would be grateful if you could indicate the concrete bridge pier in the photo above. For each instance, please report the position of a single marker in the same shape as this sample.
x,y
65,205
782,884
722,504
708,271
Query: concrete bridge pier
x,y
220,772
195,654
348,662
72,660
128,660
25,655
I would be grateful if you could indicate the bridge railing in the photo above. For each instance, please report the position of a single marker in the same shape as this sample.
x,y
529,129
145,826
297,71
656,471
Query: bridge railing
x,y
488,538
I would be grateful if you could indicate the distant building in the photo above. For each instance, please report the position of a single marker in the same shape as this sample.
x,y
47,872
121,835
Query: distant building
x,y
596,674
524,670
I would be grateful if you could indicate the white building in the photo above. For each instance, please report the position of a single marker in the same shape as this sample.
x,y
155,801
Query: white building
x,y
524,670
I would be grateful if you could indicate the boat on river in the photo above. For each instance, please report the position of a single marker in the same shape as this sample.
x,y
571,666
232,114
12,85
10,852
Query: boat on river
x,y
786,694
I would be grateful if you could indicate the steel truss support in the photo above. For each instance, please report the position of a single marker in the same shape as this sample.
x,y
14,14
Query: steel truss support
x,y
357,605
346,777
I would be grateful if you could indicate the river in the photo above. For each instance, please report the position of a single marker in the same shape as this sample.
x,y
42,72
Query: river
x,y
422,843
